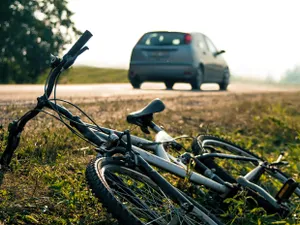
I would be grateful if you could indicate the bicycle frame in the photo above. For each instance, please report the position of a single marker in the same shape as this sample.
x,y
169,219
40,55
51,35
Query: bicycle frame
x,y
164,160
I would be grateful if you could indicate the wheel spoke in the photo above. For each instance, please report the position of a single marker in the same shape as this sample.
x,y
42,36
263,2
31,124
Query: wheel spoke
x,y
145,199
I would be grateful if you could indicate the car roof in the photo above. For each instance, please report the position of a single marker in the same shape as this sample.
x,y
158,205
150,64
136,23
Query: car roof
x,y
197,33
174,31
166,31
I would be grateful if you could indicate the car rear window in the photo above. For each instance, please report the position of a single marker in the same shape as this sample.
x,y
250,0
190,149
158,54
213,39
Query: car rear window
x,y
162,38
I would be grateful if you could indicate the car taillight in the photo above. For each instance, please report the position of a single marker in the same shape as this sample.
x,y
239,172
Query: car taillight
x,y
187,38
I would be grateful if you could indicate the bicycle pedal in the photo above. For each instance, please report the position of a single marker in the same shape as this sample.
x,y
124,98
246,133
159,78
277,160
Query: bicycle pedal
x,y
286,190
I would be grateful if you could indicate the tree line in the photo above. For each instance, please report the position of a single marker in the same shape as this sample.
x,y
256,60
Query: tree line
x,y
30,30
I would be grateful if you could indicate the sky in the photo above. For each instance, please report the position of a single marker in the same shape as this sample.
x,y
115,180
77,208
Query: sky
x,y
261,37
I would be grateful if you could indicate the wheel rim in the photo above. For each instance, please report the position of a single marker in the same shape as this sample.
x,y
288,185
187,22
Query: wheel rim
x,y
143,198
232,167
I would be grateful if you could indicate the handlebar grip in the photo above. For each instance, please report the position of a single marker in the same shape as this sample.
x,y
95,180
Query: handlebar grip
x,y
80,43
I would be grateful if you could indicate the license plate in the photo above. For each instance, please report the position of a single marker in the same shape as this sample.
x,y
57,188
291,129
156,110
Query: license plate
x,y
159,54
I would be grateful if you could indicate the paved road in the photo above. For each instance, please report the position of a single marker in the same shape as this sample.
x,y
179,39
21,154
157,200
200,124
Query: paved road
x,y
28,93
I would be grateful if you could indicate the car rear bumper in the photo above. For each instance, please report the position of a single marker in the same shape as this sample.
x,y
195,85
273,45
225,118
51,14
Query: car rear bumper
x,y
165,72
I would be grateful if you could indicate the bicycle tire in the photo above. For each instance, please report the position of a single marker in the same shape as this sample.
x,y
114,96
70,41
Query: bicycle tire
x,y
205,143
210,140
98,175
234,149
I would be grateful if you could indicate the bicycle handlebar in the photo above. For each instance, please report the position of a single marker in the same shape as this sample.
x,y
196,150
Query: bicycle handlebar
x,y
69,59
17,126
79,43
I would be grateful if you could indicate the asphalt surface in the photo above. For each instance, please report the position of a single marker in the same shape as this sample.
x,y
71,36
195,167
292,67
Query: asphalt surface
x,y
19,94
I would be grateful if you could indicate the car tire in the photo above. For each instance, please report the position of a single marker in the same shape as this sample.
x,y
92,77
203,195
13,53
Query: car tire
x,y
136,84
169,85
225,81
197,81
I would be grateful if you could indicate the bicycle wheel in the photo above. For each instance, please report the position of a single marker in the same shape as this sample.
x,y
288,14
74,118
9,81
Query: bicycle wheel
x,y
272,180
133,198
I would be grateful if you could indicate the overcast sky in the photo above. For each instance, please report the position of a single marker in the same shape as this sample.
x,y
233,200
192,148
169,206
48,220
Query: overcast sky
x,y
261,37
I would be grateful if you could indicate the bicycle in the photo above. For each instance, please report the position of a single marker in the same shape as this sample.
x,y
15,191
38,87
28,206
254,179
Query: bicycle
x,y
121,178
122,156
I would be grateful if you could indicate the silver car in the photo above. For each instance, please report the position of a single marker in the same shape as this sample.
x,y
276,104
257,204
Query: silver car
x,y
171,57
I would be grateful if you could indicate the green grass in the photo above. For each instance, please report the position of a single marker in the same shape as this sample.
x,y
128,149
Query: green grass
x,y
47,182
90,75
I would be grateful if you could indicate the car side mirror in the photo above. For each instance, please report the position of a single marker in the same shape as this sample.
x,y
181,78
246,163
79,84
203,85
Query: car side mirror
x,y
219,52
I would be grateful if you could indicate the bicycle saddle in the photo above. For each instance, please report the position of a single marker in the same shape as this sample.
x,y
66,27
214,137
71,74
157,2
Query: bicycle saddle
x,y
144,116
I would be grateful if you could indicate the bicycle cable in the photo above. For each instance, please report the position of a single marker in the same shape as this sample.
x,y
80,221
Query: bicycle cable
x,y
61,117
56,117
59,114
85,114
47,82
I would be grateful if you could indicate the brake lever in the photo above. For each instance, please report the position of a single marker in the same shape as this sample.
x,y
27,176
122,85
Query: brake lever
x,y
70,60
81,51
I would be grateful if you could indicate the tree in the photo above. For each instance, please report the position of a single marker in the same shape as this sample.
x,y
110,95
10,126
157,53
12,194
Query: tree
x,y
292,76
30,30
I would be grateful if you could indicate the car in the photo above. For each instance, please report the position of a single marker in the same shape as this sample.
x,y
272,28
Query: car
x,y
170,57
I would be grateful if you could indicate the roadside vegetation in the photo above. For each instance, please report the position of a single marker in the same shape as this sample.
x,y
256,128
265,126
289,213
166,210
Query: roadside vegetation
x,y
292,76
47,183
96,75
89,75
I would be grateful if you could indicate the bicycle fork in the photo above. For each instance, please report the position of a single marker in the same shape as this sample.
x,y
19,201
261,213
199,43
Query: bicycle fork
x,y
288,188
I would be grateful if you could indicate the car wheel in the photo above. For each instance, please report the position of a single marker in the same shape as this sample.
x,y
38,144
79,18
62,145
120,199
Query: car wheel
x,y
197,81
169,85
225,82
136,84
